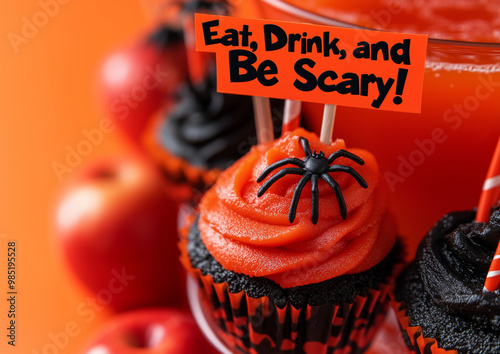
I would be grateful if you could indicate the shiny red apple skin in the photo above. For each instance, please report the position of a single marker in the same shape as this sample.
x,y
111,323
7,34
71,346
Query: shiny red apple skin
x,y
137,80
150,331
117,231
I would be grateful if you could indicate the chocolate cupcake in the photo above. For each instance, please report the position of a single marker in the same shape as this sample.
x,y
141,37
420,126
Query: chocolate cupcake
x,y
440,299
205,132
289,275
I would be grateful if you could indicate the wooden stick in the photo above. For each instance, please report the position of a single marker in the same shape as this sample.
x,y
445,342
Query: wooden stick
x,y
328,122
263,119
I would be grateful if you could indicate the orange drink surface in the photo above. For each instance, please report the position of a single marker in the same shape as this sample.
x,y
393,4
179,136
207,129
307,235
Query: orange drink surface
x,y
460,20
434,162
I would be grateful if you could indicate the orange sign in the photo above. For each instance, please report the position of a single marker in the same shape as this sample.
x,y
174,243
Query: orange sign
x,y
288,60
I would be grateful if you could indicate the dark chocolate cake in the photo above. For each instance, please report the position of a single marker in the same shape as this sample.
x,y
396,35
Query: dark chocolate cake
x,y
340,289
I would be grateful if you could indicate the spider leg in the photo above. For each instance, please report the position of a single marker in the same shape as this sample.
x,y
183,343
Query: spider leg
x,y
315,197
351,171
296,196
338,193
344,153
305,146
277,176
272,167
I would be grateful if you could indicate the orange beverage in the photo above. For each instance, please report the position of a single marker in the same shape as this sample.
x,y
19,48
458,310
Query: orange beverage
x,y
436,161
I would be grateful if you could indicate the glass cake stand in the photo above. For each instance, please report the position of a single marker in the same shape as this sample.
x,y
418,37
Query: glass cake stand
x,y
387,341
204,322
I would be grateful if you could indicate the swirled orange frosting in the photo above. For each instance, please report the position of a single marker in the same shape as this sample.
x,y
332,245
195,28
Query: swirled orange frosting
x,y
252,235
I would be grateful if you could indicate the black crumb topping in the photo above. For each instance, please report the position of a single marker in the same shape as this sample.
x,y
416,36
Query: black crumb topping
x,y
340,289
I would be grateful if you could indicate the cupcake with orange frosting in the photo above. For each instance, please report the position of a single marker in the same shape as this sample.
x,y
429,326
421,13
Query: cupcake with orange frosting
x,y
294,248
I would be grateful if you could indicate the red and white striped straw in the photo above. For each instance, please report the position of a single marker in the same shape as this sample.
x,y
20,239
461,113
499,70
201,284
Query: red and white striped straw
x,y
491,188
291,116
492,282
263,119
489,197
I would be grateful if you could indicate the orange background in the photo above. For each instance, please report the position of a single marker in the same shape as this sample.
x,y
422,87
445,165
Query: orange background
x,y
47,98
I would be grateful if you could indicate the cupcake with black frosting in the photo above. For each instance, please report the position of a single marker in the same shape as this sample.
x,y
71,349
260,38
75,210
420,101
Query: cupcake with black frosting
x,y
440,299
209,129
205,132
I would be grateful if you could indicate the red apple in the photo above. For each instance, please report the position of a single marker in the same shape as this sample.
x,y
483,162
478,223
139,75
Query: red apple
x,y
117,231
137,80
151,331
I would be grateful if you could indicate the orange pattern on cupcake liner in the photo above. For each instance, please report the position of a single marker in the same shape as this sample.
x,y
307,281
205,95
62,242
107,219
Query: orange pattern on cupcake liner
x,y
414,336
344,327
177,169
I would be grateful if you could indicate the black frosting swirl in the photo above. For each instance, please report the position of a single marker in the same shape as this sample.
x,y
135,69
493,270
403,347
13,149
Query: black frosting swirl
x,y
207,128
443,288
453,261
164,36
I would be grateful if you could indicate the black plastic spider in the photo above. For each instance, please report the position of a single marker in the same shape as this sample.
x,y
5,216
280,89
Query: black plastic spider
x,y
312,167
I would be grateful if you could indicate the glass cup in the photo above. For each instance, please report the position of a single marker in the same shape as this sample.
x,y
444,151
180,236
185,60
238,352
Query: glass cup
x,y
434,162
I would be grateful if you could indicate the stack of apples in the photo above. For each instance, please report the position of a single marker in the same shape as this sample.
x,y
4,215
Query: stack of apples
x,y
116,223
